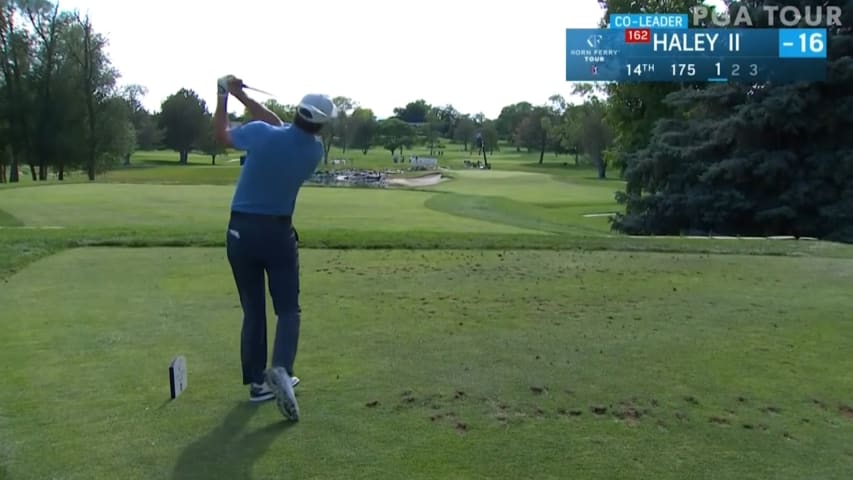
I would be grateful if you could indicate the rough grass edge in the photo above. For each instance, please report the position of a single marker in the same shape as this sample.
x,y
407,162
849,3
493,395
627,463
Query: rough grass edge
x,y
19,248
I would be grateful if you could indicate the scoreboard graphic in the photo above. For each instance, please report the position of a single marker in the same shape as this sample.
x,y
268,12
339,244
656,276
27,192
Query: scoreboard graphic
x,y
660,48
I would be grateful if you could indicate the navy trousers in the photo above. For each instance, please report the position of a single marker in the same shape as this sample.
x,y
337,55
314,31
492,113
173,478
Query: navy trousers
x,y
258,245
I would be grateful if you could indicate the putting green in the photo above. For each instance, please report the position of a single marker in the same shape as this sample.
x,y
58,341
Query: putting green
x,y
536,188
206,206
435,364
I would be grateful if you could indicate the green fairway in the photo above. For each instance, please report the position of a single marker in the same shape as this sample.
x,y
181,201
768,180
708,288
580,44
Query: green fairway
x,y
207,206
528,200
435,364
197,197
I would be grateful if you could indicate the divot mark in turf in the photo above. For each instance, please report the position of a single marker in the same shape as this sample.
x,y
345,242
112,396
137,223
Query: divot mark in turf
x,y
719,421
598,409
771,410
372,404
691,400
846,411
537,390
629,414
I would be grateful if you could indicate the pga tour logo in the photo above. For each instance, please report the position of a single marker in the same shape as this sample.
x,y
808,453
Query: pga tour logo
x,y
788,16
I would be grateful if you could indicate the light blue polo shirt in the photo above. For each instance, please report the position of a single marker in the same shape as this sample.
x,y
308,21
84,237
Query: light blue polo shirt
x,y
278,161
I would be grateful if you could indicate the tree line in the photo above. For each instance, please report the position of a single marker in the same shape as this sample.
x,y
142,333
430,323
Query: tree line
x,y
63,110
183,124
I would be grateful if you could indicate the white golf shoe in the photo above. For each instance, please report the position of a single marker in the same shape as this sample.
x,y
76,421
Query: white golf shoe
x,y
261,392
281,385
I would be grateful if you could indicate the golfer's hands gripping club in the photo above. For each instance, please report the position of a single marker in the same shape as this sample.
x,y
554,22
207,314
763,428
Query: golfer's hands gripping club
x,y
229,84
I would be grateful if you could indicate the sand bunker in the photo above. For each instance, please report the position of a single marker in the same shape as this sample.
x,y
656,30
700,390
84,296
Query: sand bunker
x,y
424,181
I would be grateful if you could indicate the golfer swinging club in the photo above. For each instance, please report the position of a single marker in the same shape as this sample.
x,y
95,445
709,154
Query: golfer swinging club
x,y
261,237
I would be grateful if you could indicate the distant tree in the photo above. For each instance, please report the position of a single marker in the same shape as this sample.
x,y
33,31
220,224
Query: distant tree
x,y
149,136
139,117
509,120
464,130
183,117
396,134
534,129
431,131
208,144
489,132
337,129
283,111
595,134
115,133
363,129
486,140
413,112
448,116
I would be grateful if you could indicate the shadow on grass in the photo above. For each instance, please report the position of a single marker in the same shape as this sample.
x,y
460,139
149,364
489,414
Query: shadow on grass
x,y
228,452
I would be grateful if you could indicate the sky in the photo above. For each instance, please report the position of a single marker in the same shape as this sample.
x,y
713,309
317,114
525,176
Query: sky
x,y
381,53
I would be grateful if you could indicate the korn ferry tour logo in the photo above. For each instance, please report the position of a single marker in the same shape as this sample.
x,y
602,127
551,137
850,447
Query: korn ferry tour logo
x,y
591,53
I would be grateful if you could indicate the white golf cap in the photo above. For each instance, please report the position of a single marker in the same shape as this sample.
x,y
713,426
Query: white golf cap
x,y
317,108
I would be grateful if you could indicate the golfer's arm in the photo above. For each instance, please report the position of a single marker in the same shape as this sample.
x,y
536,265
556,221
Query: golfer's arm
x,y
220,122
258,111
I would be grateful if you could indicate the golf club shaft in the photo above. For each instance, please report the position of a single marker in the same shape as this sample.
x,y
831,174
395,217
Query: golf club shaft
x,y
257,90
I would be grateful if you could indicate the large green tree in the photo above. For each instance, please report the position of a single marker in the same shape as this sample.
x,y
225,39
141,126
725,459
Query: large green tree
x,y
57,92
413,112
635,107
338,129
184,120
396,134
363,128
510,119
463,130
750,159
